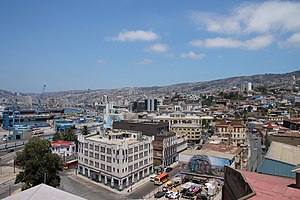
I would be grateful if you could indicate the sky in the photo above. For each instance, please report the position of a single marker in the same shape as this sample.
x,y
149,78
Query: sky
x,y
78,45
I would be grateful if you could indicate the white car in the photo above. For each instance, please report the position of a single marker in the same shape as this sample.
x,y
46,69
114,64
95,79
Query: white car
x,y
174,195
152,178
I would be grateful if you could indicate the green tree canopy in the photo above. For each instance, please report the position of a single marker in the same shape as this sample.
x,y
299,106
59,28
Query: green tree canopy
x,y
57,136
85,130
69,135
39,163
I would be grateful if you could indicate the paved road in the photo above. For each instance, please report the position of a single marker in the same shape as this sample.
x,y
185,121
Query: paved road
x,y
7,188
149,188
86,189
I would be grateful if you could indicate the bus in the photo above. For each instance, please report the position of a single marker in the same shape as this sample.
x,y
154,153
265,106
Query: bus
x,y
70,164
160,179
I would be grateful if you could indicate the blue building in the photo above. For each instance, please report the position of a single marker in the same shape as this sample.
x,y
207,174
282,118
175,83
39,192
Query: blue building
x,y
280,160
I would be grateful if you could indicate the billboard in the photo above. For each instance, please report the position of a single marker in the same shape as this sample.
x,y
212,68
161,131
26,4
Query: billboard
x,y
203,164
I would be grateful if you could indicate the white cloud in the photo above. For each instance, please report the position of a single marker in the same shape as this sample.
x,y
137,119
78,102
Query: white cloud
x,y
146,61
192,55
138,35
292,41
100,63
260,18
158,48
258,42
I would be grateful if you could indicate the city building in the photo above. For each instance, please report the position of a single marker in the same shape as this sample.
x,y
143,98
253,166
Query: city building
x,y
165,149
240,184
117,158
151,105
206,162
148,128
63,148
234,131
280,160
178,117
191,131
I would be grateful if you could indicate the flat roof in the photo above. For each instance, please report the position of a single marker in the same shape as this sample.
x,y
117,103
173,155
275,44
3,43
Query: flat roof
x,y
107,141
185,125
207,152
271,187
284,152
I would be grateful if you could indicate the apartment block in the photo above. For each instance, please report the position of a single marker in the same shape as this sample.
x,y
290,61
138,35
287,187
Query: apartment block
x,y
116,158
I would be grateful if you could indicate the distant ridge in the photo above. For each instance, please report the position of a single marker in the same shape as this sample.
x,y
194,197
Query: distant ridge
x,y
268,79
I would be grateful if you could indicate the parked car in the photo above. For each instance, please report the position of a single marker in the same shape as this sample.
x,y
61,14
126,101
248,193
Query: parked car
x,y
174,195
159,194
168,169
152,177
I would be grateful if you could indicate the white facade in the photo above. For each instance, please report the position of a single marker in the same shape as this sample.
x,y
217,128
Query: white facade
x,y
117,159
63,148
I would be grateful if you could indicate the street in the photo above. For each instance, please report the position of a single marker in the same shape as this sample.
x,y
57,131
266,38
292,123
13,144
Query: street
x,y
86,189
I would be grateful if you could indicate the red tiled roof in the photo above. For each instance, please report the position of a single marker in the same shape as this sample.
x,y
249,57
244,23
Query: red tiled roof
x,y
62,143
271,187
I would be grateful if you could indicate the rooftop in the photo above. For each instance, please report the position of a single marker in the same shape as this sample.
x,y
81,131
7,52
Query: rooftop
x,y
271,187
223,148
62,143
208,152
185,125
284,152
44,192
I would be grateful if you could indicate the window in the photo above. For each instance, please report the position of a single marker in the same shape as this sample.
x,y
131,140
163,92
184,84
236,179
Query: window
x,y
91,163
108,159
145,162
130,150
85,152
141,155
102,158
136,149
102,150
146,146
136,166
108,168
141,163
141,147
146,153
96,148
97,164
91,147
102,166
67,149
108,151
86,161
97,155
130,158
130,168
86,145
91,154
135,156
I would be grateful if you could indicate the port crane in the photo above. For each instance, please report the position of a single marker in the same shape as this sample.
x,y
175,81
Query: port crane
x,y
40,101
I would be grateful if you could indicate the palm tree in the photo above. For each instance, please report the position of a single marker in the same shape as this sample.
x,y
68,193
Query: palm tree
x,y
85,130
69,135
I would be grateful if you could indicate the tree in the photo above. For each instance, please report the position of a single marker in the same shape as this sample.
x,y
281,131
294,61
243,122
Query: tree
x,y
57,136
69,135
85,130
39,163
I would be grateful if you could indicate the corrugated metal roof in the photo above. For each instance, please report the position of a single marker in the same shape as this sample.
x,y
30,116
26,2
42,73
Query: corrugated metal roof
x,y
284,152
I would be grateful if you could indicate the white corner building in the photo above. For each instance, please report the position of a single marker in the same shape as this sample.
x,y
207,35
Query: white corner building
x,y
117,158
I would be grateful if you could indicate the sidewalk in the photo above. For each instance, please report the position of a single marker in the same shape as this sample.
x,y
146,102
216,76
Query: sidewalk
x,y
134,186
